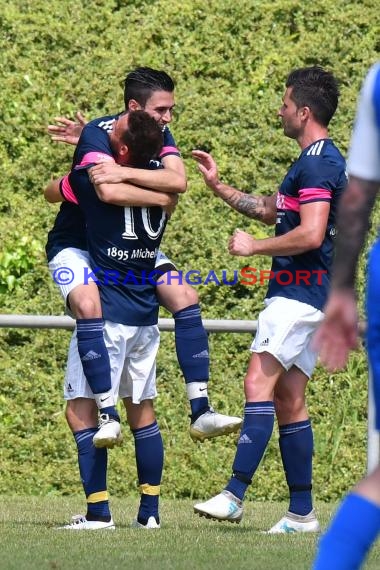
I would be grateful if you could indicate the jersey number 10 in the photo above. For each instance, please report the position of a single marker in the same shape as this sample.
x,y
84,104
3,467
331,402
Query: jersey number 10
x,y
129,218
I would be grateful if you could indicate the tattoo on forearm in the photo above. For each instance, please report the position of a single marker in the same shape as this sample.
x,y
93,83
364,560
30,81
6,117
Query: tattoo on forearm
x,y
250,206
352,228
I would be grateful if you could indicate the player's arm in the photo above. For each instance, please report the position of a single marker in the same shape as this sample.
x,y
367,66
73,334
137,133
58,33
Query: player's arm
x,y
117,194
59,190
165,179
52,192
262,208
352,226
358,200
308,235
129,195
338,333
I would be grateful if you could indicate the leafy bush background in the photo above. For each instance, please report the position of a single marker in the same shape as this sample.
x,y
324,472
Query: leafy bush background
x,y
230,61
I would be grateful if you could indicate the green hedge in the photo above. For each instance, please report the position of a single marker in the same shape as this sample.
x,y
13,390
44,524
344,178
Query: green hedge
x,y
230,61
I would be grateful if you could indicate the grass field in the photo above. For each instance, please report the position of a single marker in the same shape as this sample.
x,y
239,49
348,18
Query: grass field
x,y
28,539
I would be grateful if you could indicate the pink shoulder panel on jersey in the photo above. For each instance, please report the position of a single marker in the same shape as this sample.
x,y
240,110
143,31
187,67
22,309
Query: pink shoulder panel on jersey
x,y
93,157
314,194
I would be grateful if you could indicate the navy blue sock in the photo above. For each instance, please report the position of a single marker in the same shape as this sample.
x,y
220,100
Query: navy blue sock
x,y
348,539
149,452
254,437
93,472
191,343
94,357
296,446
110,410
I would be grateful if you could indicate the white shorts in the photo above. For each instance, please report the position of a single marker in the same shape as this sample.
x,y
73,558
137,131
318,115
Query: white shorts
x,y
285,329
132,352
71,267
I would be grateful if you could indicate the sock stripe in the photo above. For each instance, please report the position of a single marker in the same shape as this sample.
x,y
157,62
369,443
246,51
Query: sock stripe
x,y
90,326
80,436
152,490
188,313
267,411
147,435
294,428
150,431
97,497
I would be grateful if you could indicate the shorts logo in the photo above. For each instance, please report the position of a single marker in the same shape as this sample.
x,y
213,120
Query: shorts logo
x,y
69,388
265,342
91,355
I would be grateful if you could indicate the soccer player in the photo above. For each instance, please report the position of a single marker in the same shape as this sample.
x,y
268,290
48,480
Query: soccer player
x,y
130,310
152,91
66,250
357,521
303,211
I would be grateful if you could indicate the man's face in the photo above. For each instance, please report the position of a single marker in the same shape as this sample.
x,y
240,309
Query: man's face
x,y
160,106
290,116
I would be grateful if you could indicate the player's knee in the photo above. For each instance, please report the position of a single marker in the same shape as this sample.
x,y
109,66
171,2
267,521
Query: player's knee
x,y
139,415
190,296
71,417
85,308
186,296
81,413
177,297
257,389
288,406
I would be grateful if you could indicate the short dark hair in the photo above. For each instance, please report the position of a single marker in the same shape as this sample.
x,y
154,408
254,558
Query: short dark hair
x,y
143,137
143,81
316,88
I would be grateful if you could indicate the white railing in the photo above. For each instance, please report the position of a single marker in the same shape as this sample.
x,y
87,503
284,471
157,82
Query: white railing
x,y
212,326
64,322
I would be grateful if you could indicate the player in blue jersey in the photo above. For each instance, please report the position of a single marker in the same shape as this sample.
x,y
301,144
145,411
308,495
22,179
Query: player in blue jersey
x,y
152,91
130,309
357,521
303,211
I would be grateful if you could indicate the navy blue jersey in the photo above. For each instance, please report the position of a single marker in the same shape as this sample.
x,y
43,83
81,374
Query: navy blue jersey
x,y
69,226
319,174
69,230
